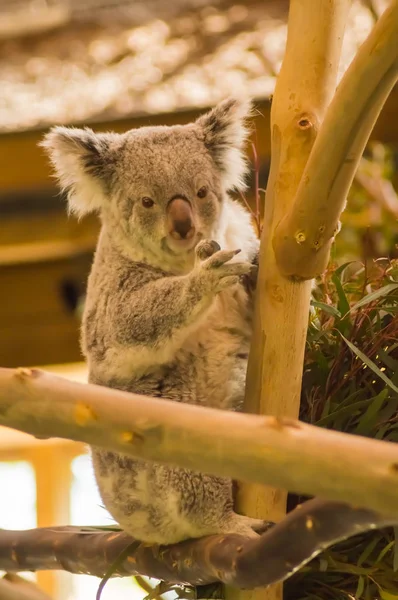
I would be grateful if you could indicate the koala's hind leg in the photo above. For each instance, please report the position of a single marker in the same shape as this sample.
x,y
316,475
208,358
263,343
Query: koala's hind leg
x,y
243,525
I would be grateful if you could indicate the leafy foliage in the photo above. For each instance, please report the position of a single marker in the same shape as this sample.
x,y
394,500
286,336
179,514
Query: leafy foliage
x,y
369,223
351,384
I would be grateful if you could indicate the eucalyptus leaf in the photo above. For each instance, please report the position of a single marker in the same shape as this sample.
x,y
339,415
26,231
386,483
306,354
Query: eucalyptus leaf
x,y
388,360
339,272
380,293
328,308
360,587
349,410
385,550
367,361
370,418
368,551
343,304
395,560
385,595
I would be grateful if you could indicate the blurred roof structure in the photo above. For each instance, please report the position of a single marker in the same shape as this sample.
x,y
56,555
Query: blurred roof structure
x,y
71,61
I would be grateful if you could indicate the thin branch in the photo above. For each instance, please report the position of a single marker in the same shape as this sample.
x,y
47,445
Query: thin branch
x,y
303,238
282,452
233,559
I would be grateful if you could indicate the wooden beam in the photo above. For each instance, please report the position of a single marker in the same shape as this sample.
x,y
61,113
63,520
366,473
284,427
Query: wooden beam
x,y
38,319
53,482
25,168
22,254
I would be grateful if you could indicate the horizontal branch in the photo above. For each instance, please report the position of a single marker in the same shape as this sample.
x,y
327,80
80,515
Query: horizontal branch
x,y
281,452
303,238
233,559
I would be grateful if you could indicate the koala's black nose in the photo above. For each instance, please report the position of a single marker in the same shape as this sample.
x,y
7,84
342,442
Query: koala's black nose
x,y
182,227
180,219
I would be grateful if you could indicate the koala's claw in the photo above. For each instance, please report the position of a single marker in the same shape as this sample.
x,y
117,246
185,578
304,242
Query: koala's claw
x,y
215,267
206,248
218,259
246,525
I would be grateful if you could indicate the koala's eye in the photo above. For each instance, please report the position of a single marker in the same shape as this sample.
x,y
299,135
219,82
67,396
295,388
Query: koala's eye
x,y
147,202
202,193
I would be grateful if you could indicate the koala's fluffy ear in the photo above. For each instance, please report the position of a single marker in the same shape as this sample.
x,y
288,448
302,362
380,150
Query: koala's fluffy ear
x,y
83,164
225,133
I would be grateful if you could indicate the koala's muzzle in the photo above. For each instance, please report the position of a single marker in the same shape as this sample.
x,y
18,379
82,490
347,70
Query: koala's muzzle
x,y
180,221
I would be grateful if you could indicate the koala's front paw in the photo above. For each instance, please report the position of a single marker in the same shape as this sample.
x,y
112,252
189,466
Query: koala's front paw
x,y
214,268
243,525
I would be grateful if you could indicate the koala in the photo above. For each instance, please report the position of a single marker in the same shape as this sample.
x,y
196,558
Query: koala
x,y
167,313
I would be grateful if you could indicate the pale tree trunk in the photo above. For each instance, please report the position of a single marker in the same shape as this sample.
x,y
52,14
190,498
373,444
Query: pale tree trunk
x,y
304,89
304,236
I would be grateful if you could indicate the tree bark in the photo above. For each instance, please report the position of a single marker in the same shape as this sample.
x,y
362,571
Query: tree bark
x,y
304,89
281,452
233,559
304,236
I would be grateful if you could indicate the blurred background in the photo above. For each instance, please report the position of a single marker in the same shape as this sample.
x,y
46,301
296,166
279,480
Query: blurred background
x,y
115,65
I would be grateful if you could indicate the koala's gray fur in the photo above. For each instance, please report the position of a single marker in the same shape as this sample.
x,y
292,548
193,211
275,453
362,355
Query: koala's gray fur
x,y
165,315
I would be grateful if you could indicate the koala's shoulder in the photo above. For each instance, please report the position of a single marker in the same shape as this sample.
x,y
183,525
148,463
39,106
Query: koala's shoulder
x,y
135,275
122,275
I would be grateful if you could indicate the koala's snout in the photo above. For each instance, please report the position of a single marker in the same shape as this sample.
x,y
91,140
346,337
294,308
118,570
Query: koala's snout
x,y
180,220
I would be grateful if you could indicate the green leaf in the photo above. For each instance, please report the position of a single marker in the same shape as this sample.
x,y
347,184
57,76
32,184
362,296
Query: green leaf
x,y
349,410
384,595
389,410
368,593
386,549
351,398
343,304
340,270
368,550
322,362
395,561
360,587
388,360
383,291
369,419
381,432
367,361
332,310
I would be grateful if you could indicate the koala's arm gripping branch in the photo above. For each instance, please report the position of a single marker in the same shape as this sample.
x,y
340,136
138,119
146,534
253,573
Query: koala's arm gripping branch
x,y
280,452
303,238
162,313
232,559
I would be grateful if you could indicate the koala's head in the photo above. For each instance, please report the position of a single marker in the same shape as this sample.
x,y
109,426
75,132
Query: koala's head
x,y
159,187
